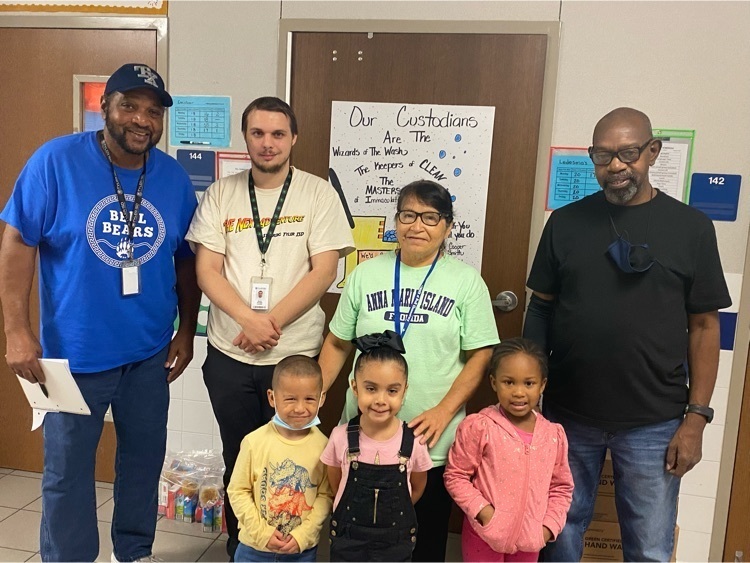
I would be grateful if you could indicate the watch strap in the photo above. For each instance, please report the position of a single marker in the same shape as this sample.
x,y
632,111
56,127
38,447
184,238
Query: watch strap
x,y
708,412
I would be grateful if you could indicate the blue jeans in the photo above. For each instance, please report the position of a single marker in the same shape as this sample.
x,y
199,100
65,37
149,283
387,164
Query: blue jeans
x,y
645,494
139,395
247,553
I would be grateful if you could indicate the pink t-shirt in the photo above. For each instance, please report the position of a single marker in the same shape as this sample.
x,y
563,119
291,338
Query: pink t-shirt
x,y
526,437
374,452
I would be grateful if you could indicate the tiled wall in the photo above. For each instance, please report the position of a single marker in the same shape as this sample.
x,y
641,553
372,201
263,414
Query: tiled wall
x,y
191,424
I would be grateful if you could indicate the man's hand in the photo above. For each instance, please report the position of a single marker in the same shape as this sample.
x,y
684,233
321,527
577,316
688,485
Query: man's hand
x,y
547,534
684,450
180,353
23,353
485,515
430,424
260,332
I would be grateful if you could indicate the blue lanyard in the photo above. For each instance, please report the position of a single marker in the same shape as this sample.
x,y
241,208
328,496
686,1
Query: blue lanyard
x,y
397,295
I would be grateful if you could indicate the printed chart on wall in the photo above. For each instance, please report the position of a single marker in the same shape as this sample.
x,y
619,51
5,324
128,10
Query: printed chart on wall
x,y
200,121
572,177
377,148
672,169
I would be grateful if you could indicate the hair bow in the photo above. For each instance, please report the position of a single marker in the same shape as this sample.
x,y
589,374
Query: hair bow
x,y
388,339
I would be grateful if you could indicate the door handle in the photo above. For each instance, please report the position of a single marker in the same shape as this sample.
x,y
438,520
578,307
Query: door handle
x,y
505,301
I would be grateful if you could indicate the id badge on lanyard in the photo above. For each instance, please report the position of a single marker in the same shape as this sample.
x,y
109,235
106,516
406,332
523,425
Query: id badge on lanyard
x,y
131,277
260,293
130,268
260,286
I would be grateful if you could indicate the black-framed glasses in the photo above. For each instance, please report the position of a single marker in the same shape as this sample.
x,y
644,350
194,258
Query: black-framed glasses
x,y
626,156
429,218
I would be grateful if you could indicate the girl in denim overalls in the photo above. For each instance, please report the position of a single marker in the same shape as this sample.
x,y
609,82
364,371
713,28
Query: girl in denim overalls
x,y
375,465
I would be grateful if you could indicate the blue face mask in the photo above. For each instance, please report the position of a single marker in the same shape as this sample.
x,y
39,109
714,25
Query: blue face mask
x,y
630,258
625,255
278,421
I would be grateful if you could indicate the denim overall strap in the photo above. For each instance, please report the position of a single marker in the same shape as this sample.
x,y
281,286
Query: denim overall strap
x,y
407,442
352,438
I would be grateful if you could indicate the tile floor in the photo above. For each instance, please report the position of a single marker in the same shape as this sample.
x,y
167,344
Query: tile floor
x,y
20,513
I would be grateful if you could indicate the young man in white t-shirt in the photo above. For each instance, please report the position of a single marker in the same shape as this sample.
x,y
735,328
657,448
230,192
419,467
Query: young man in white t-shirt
x,y
264,286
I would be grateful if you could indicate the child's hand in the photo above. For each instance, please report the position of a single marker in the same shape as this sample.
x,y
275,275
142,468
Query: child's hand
x,y
290,545
277,542
485,515
547,534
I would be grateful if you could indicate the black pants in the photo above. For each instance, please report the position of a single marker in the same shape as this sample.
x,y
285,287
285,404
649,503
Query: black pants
x,y
239,399
433,515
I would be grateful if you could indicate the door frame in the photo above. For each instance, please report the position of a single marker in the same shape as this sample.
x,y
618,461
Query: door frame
x,y
160,24
552,29
737,391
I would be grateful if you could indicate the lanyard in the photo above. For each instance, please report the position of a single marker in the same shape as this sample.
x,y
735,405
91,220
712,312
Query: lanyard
x,y
397,295
264,244
130,219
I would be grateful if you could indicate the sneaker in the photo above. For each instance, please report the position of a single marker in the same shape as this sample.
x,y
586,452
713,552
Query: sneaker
x,y
145,558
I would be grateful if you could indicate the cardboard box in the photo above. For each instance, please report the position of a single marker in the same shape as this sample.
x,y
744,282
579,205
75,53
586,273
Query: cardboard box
x,y
602,542
607,479
604,508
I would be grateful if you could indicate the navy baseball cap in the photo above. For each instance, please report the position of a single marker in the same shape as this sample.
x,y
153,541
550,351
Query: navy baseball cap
x,y
137,75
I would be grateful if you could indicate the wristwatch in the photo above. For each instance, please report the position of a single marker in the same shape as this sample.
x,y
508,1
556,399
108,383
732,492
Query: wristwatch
x,y
708,412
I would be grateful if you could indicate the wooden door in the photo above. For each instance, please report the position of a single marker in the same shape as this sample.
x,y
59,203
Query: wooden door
x,y
738,527
501,70
37,65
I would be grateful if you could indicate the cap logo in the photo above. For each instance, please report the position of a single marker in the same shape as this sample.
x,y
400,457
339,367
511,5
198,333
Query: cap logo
x,y
148,75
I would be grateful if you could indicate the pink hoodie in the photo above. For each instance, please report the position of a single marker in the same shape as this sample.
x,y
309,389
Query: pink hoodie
x,y
530,486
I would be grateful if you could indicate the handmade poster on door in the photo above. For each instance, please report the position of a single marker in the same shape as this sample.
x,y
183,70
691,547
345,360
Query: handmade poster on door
x,y
377,148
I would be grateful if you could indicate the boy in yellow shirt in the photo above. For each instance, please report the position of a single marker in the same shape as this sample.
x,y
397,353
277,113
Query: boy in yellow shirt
x,y
279,487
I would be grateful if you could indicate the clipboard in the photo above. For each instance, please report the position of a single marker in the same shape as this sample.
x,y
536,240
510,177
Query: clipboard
x,y
64,394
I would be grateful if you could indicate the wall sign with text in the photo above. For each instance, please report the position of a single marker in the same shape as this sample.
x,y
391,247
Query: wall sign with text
x,y
377,148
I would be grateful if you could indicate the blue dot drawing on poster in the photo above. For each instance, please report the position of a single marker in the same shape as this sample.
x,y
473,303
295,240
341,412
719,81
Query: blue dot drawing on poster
x,y
457,138
453,198
441,154
390,236
456,172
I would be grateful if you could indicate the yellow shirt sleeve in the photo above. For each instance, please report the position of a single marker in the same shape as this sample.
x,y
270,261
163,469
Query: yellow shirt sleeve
x,y
254,530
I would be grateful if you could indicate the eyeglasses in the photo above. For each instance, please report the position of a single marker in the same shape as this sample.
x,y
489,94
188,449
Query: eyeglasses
x,y
626,156
429,218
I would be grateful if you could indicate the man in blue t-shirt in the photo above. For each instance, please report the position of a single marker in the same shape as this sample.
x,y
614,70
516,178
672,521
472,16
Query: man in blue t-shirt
x,y
107,213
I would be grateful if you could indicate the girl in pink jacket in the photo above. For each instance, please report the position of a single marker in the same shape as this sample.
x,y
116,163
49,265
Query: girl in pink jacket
x,y
508,468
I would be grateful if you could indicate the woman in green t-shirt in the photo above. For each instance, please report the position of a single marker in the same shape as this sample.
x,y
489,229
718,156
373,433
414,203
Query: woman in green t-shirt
x,y
448,328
